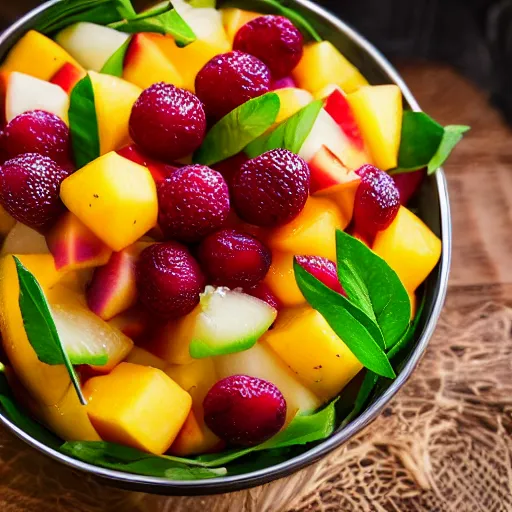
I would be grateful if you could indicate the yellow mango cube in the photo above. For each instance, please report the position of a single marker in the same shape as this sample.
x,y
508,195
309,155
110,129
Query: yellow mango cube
x,y
321,65
234,19
312,232
38,56
409,247
142,357
113,99
114,197
292,100
137,406
378,111
281,280
303,339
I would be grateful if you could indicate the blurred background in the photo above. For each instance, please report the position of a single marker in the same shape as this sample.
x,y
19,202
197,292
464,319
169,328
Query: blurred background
x,y
473,35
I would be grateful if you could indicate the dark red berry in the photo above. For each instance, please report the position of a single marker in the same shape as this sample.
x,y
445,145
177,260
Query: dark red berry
x,y
234,259
244,410
323,269
230,79
408,184
168,123
377,201
29,189
38,132
169,280
272,188
274,40
263,292
193,202
229,167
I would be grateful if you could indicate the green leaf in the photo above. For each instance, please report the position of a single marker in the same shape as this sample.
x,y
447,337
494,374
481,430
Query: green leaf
x,y
373,286
83,123
166,23
125,9
452,136
241,126
290,134
115,64
40,327
212,4
340,314
130,460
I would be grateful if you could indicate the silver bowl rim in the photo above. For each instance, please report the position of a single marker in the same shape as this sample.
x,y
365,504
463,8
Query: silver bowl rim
x,y
238,482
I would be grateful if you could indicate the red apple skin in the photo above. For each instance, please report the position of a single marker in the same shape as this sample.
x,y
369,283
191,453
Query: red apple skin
x,y
67,77
339,109
327,170
408,184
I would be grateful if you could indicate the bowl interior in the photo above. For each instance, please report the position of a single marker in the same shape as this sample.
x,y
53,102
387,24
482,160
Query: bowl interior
x,y
432,205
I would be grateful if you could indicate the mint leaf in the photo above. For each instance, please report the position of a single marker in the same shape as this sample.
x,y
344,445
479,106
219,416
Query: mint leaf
x,y
452,136
125,9
373,286
235,130
345,320
202,4
40,327
290,134
166,23
83,123
115,64
130,460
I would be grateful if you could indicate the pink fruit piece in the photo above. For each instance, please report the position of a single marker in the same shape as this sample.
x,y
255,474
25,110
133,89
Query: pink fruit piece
x,y
377,201
271,189
234,259
168,123
230,79
263,292
283,83
193,202
274,40
323,269
29,190
38,132
408,184
74,246
169,280
244,410
229,167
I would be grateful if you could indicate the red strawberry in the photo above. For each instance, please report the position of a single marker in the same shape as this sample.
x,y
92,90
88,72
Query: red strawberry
x,y
229,167
408,184
272,188
274,40
194,202
244,410
168,123
230,79
234,259
323,269
169,280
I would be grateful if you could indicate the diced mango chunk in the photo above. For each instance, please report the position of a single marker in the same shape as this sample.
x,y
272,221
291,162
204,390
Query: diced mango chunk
x,y
281,280
323,64
292,100
137,406
142,357
378,111
409,247
307,344
114,197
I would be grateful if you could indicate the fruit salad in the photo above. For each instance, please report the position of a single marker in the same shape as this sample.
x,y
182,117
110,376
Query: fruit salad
x,y
209,232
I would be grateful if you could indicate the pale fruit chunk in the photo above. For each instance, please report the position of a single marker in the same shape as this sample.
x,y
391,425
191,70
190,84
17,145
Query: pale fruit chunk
x,y
6,222
25,93
90,44
144,358
260,361
292,100
24,240
229,321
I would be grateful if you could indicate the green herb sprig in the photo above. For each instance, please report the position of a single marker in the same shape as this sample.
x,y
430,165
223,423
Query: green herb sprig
x,y
115,64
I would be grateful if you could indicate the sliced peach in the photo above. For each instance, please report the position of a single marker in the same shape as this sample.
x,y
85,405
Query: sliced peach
x,y
67,77
281,280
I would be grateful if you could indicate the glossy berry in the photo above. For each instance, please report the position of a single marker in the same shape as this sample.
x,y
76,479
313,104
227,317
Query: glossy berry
x,y
323,269
229,167
38,132
29,190
244,410
169,280
168,123
263,292
377,201
193,202
274,40
234,259
230,79
271,189
408,184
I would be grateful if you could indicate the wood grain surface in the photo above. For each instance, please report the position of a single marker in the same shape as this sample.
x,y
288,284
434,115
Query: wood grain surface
x,y
480,184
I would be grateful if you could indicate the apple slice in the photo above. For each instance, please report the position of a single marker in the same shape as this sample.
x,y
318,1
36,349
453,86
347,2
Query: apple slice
x,y
24,240
229,322
90,44
25,93
67,77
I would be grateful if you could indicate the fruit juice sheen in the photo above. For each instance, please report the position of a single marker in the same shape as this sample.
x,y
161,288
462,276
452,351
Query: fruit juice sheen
x,y
167,192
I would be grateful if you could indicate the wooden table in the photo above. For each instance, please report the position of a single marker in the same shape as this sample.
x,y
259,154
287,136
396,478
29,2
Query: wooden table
x,y
444,444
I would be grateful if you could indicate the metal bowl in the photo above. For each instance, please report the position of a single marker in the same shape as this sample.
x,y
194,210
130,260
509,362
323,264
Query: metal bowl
x,y
434,209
